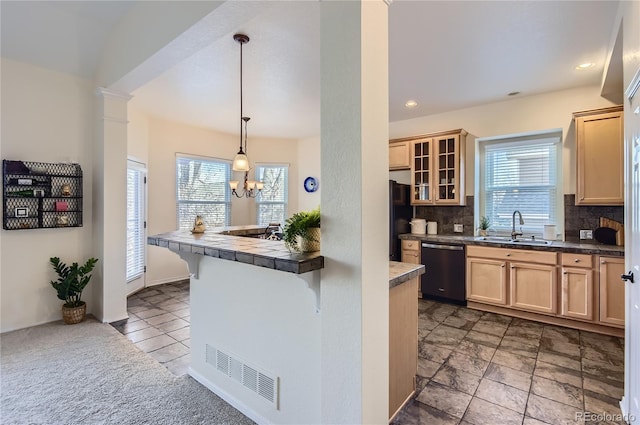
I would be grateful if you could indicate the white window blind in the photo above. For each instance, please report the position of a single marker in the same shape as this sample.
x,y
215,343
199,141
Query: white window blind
x,y
523,174
271,203
135,223
202,187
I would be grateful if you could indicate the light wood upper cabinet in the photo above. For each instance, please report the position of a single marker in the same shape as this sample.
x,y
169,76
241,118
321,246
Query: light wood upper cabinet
x,y
612,303
599,156
399,156
437,167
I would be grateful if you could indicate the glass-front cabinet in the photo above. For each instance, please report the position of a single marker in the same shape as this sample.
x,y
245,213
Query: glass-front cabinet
x,y
437,168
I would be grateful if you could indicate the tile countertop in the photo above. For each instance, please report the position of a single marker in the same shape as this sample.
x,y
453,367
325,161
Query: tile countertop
x,y
230,243
401,272
557,246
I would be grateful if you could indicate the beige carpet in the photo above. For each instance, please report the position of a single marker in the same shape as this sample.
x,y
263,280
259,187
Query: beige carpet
x,y
91,374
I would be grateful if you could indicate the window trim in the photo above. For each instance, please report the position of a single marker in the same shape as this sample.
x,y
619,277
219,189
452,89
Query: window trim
x,y
516,139
182,155
286,203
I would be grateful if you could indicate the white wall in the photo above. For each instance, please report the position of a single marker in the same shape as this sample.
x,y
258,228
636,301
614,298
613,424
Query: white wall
x,y
164,139
137,134
46,116
518,115
308,166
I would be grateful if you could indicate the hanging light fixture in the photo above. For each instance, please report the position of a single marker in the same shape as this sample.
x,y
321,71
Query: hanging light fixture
x,y
250,188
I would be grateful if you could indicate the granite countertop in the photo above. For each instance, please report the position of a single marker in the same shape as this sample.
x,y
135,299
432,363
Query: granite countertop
x,y
230,243
401,272
556,246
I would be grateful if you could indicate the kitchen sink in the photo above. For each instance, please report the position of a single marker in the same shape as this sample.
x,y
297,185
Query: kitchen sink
x,y
506,239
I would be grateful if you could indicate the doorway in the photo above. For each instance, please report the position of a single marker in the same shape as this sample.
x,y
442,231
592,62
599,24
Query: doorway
x,y
136,226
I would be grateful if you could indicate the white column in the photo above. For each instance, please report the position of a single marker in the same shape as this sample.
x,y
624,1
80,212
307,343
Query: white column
x,y
355,212
110,205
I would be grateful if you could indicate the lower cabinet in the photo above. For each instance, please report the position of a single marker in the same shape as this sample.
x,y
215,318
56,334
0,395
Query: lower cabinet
x,y
584,288
487,280
533,287
403,343
410,253
612,302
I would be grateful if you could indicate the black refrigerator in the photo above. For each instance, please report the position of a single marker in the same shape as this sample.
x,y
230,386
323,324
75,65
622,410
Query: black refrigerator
x,y
400,213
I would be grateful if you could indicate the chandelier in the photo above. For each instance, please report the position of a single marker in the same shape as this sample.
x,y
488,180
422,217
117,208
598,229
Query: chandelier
x,y
250,188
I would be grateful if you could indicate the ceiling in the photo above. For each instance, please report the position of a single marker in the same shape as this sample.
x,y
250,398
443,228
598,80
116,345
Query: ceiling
x,y
446,55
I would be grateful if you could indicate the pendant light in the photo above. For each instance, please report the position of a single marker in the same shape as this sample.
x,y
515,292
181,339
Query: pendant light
x,y
250,189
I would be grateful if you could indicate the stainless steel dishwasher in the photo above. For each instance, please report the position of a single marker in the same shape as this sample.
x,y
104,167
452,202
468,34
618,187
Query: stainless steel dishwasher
x,y
444,276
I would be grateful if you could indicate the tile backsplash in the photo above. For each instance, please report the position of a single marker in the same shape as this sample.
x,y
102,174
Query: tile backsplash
x,y
586,217
576,218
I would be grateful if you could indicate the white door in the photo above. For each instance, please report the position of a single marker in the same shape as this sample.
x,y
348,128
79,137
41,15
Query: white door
x,y
630,403
136,226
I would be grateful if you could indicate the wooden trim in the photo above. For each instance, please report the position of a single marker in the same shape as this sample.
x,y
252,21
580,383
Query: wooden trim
x,y
430,135
552,320
607,110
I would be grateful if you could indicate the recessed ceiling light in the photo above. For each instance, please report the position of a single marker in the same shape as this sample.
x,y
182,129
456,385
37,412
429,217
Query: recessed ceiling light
x,y
411,104
513,93
585,65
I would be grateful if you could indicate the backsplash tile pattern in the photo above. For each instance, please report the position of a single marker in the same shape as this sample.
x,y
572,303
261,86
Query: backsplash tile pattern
x,y
586,217
447,216
576,218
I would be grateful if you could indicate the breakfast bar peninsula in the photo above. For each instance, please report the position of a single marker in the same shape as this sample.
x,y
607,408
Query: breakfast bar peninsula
x,y
256,320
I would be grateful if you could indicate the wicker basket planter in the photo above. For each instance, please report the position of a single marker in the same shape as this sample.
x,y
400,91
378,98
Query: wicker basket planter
x,y
312,244
73,315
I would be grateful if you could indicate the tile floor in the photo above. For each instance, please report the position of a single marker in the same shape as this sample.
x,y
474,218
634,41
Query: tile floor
x,y
483,368
158,324
473,367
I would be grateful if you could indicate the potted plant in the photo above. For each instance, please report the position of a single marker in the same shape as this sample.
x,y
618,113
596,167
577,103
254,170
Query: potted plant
x,y
301,232
484,225
71,282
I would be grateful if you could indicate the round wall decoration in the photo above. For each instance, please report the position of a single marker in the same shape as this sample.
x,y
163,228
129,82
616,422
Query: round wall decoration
x,y
310,184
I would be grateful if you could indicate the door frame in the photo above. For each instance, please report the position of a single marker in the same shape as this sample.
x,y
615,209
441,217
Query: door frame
x,y
139,283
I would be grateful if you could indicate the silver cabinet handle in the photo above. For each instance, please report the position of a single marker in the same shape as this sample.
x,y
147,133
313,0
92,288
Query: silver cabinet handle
x,y
577,260
508,254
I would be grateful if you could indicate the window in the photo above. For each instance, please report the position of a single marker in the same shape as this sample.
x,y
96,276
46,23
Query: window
x,y
135,221
521,173
202,186
271,203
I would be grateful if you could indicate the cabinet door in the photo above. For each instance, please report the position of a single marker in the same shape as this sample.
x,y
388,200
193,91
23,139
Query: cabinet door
x,y
577,293
399,156
403,343
421,172
600,154
534,287
486,281
447,167
611,291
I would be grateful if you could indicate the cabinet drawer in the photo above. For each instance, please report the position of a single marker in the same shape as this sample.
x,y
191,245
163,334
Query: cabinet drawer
x,y
507,254
408,245
577,260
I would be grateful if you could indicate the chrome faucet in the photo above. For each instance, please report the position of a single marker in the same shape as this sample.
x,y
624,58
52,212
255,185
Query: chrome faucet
x,y
514,234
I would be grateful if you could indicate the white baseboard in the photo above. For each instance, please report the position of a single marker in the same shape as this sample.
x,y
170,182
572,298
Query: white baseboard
x,y
244,409
167,280
623,409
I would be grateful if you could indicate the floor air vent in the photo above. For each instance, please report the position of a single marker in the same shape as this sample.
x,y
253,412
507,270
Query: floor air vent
x,y
251,377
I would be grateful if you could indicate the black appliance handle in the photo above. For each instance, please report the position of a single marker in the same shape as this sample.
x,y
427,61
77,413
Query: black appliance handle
x,y
449,247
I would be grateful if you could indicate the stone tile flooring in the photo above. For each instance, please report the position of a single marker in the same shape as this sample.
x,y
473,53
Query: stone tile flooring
x,y
483,368
473,367
158,324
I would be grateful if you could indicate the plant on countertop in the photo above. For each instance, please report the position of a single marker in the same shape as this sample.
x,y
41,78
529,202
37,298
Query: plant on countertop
x,y
71,280
484,222
304,225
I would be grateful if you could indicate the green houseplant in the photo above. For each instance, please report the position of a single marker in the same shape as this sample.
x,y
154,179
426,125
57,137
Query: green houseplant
x,y
484,225
301,231
71,282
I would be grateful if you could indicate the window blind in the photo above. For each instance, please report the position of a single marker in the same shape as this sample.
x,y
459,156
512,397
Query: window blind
x,y
135,224
521,174
202,187
271,203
